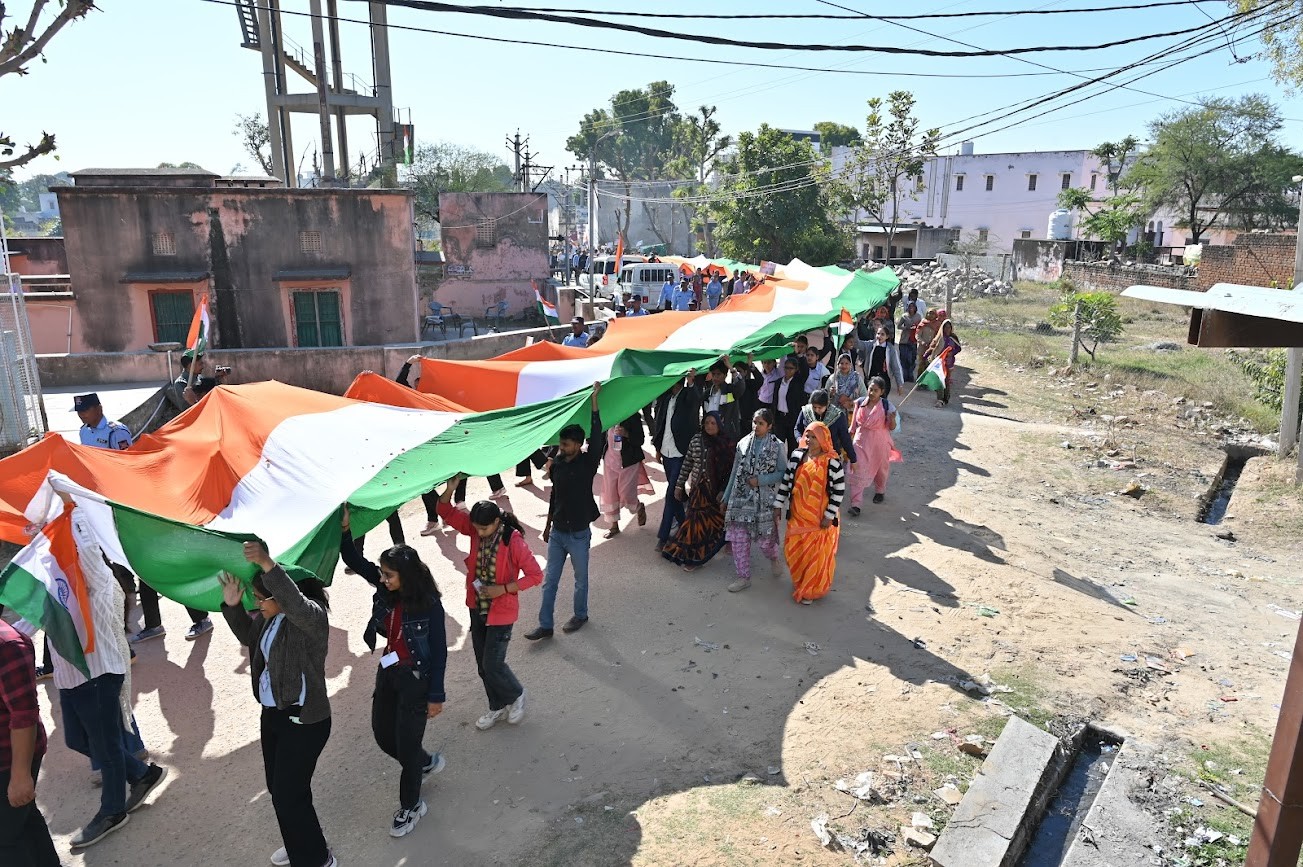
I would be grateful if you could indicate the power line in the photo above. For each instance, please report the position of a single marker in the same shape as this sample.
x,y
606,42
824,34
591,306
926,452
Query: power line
x,y
859,16
717,41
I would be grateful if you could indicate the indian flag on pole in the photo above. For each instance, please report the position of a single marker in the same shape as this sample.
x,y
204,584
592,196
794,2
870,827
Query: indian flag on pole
x,y
547,309
936,375
197,340
845,325
44,586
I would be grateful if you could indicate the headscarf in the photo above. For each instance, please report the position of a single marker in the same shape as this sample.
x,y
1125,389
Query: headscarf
x,y
719,449
817,430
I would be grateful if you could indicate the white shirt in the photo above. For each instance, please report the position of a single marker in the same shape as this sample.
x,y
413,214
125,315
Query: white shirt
x,y
112,654
669,448
782,393
264,683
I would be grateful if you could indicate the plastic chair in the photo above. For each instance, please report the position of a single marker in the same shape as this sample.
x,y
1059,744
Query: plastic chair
x,y
435,320
495,315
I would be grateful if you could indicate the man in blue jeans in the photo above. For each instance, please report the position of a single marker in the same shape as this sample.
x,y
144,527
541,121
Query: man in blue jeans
x,y
678,418
571,512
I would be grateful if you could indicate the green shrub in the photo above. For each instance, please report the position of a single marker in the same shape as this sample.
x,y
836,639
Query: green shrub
x,y
1100,320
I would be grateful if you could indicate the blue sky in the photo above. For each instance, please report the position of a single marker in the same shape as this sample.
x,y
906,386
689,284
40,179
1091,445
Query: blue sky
x,y
146,81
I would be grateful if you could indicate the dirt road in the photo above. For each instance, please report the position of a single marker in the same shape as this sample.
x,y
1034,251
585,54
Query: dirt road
x,y
677,689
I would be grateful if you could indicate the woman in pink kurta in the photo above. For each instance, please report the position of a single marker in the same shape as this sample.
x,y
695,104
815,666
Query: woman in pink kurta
x,y
622,472
875,450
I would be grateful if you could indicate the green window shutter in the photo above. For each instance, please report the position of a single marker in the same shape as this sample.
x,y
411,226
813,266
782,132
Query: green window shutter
x,y
305,319
328,319
173,312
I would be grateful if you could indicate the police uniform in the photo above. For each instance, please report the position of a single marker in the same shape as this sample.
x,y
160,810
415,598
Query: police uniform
x,y
106,435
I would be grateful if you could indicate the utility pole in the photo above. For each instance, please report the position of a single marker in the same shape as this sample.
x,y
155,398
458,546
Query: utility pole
x,y
513,145
323,88
1289,415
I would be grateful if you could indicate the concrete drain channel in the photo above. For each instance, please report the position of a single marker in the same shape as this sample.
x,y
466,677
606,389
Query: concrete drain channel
x,y
1214,503
1039,801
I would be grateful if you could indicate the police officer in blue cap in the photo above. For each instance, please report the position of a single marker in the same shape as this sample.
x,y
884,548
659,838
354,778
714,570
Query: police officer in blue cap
x,y
96,430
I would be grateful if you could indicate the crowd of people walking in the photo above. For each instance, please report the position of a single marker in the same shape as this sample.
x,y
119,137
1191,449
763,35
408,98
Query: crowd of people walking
x,y
775,456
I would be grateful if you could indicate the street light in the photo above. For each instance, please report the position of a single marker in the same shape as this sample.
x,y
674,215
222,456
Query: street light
x,y
592,211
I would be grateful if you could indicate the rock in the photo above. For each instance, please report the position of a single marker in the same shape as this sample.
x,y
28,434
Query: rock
x,y
1162,346
749,779
920,820
1135,490
972,749
950,795
917,838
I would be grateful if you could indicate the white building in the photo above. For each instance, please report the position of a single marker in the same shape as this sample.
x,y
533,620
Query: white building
x,y
992,198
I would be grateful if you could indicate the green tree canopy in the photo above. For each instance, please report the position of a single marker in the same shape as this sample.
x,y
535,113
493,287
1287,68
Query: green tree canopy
x,y
1211,163
775,214
445,167
833,134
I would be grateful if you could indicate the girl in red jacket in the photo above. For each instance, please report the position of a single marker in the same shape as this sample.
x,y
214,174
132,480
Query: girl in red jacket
x,y
499,566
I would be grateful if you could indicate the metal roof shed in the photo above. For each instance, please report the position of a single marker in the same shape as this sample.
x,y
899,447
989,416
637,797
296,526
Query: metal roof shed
x,y
1230,315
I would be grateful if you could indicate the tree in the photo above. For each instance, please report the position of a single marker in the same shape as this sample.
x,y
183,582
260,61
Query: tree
x,y
772,206
833,134
255,138
1100,320
1115,220
1208,162
1282,38
445,167
635,140
1272,202
21,45
1114,156
185,165
700,144
886,168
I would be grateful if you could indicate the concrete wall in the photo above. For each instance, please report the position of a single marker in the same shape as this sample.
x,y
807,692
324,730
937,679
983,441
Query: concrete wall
x,y
478,276
1253,260
51,317
38,256
237,241
1043,260
329,370
1112,277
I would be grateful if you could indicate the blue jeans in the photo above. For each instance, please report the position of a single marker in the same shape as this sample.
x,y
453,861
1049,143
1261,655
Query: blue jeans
x,y
562,544
131,742
673,508
92,726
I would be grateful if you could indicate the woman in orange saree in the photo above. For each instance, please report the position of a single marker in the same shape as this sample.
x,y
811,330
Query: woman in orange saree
x,y
811,493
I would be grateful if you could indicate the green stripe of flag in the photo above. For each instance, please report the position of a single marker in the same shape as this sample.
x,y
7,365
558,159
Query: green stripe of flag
x,y
23,593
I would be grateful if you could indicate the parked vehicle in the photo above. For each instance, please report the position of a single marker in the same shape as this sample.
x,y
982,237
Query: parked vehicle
x,y
645,279
606,273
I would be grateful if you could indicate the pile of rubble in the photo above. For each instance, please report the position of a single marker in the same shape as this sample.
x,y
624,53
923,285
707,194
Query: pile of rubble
x,y
931,280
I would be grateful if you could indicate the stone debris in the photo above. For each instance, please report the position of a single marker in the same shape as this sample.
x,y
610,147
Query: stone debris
x,y
917,838
949,794
920,820
932,279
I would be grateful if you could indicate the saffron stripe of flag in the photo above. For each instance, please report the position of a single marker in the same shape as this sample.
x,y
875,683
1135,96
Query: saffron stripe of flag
x,y
197,339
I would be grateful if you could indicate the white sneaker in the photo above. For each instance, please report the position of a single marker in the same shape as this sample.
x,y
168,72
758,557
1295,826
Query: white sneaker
x,y
516,712
280,857
405,820
490,719
434,765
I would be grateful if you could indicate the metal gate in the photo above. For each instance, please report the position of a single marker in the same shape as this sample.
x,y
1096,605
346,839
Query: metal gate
x,y
22,412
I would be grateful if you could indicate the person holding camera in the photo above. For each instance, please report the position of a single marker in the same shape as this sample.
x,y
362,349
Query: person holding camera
x,y
192,384
287,637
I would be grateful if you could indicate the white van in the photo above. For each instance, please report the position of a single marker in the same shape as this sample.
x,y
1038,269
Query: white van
x,y
605,273
645,279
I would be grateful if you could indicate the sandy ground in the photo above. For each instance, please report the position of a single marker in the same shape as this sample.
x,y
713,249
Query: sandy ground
x,y
636,715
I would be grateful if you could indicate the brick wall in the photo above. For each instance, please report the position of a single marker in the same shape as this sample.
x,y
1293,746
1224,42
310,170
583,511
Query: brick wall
x,y
1253,260
1105,276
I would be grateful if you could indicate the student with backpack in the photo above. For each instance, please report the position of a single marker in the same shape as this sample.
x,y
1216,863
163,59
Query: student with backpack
x,y
871,426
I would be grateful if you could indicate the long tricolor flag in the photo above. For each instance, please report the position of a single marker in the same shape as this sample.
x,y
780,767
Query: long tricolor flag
x,y
845,326
45,587
547,309
936,375
197,340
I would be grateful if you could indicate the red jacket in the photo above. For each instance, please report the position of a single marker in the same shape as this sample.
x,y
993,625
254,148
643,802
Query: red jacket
x,y
515,563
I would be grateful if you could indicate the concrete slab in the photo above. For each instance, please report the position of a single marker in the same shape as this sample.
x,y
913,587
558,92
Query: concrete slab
x,y
990,826
121,402
1117,827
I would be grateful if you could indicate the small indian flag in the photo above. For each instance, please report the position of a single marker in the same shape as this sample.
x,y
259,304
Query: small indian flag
x,y
197,340
934,378
845,325
547,309
44,586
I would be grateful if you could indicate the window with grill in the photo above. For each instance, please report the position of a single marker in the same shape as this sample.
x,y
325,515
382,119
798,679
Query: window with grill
x,y
1065,182
959,183
1093,178
163,243
990,183
486,233
310,241
983,235
1031,183
1026,233
317,320
172,313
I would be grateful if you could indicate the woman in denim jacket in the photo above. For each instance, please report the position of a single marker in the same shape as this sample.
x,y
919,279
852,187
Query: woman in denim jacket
x,y
406,610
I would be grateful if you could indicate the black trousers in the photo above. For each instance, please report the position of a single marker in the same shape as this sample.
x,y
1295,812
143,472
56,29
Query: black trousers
x,y
490,643
396,535
149,607
536,461
430,500
398,713
289,758
495,484
24,837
